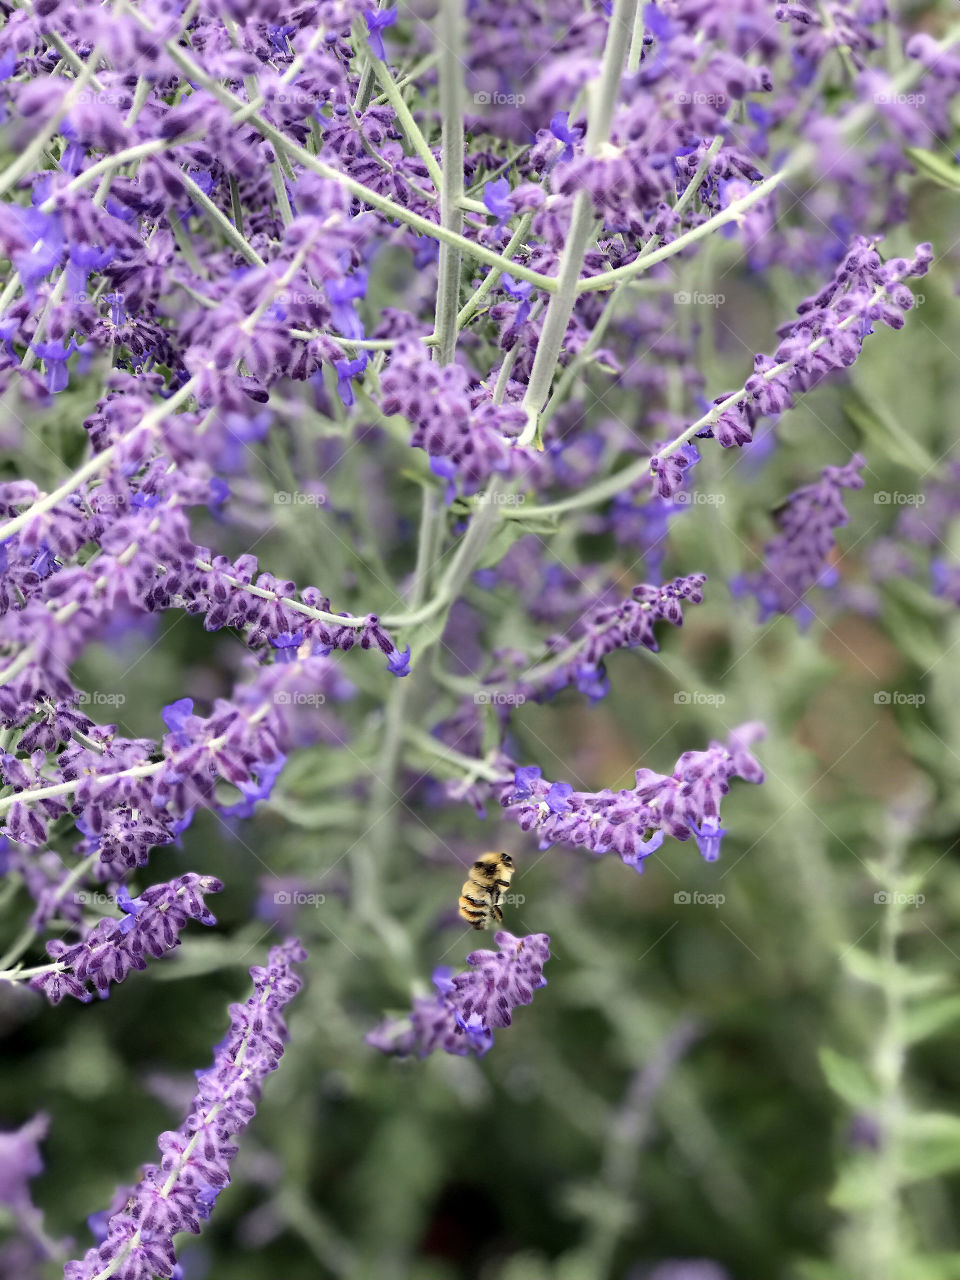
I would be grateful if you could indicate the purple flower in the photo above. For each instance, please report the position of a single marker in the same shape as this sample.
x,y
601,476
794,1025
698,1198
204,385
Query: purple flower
x,y
496,198
797,559
398,663
558,797
561,130
20,1161
176,716
632,823
178,1193
470,1006
377,21
106,953
347,370
708,838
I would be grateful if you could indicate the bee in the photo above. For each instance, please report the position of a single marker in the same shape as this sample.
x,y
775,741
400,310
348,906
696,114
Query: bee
x,y
484,888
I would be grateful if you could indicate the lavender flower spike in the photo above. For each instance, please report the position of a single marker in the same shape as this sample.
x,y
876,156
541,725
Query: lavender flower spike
x,y
180,1192
151,924
469,1006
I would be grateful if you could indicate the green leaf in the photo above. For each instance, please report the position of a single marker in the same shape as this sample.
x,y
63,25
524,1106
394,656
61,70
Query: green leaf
x,y
816,1269
930,1017
881,429
866,967
938,168
930,1145
932,1266
856,1188
848,1079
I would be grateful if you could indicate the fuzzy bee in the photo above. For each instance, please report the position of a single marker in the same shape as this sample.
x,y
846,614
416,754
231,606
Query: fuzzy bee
x,y
484,888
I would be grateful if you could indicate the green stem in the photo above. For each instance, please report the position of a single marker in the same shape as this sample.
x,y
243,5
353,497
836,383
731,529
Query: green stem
x,y
450,39
582,223
232,234
476,300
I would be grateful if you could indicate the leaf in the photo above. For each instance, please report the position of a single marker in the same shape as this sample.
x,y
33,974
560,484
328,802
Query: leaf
x,y
848,1079
930,1017
856,1188
867,967
881,429
932,1266
817,1269
936,167
930,1145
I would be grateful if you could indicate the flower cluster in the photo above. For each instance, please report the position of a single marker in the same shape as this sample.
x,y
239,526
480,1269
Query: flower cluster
x,y
800,556
468,1007
136,1239
633,823
151,926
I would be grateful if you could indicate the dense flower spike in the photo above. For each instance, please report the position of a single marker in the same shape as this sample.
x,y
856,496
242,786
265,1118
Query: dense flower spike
x,y
468,1007
106,954
799,558
633,823
178,1193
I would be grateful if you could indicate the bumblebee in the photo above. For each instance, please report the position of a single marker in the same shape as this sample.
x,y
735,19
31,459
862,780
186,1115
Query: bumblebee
x,y
484,888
